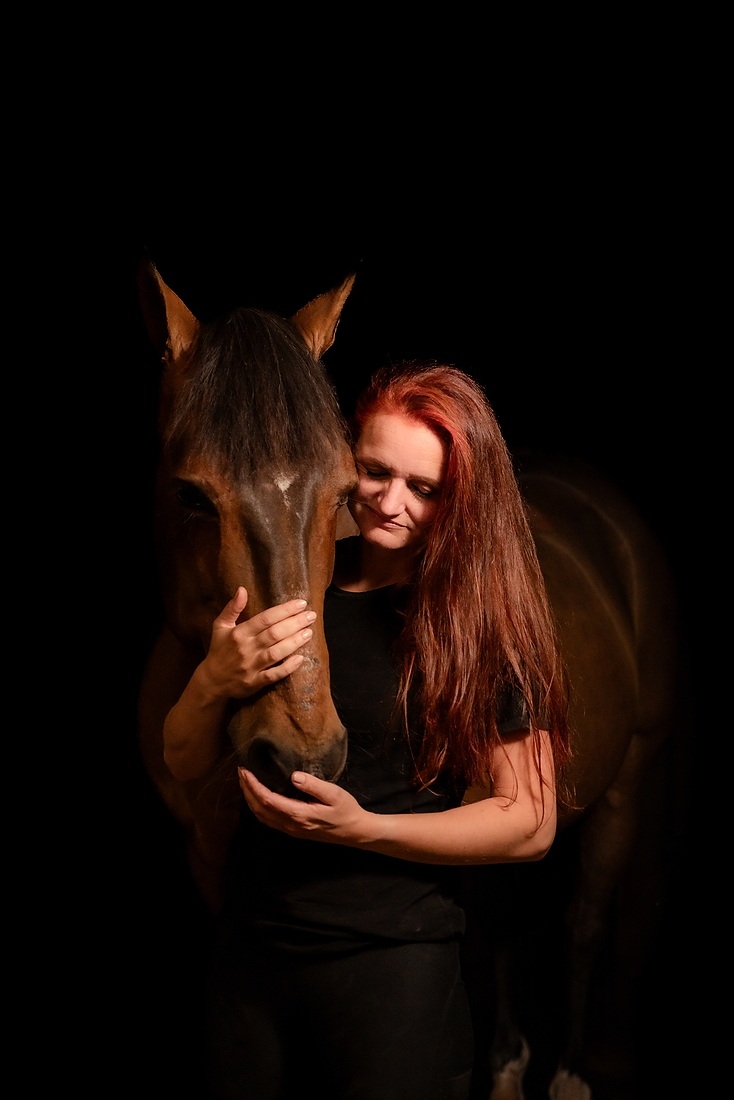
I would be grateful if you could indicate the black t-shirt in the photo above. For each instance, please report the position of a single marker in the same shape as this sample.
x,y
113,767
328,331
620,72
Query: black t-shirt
x,y
306,895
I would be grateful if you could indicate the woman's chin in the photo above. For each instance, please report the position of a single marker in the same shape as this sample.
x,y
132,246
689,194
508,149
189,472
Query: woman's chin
x,y
391,539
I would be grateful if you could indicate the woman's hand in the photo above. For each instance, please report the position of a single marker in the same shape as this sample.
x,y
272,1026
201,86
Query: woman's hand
x,y
245,657
335,817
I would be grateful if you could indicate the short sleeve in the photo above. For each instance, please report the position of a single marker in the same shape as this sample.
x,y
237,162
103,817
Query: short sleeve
x,y
511,711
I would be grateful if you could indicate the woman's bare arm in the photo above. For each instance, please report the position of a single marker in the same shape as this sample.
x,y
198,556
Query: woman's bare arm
x,y
515,822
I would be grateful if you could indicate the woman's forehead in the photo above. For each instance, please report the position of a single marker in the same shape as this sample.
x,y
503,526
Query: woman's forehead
x,y
405,445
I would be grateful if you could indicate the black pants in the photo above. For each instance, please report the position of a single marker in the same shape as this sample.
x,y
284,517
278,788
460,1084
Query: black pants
x,y
382,1023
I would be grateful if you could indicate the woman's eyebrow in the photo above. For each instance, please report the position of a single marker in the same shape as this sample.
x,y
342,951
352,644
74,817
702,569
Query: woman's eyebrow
x,y
367,460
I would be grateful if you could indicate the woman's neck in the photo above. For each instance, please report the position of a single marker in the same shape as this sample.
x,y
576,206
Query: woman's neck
x,y
374,567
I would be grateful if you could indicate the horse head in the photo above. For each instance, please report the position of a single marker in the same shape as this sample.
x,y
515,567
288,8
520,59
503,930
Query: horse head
x,y
254,467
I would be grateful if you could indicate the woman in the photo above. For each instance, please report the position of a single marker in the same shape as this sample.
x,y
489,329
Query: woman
x,y
446,675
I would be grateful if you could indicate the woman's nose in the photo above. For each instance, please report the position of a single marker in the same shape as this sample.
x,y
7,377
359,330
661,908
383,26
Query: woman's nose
x,y
392,501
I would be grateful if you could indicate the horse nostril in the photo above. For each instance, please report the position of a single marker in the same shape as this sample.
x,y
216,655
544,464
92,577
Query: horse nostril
x,y
272,765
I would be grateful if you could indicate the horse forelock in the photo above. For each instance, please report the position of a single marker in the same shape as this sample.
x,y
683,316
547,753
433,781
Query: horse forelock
x,y
253,397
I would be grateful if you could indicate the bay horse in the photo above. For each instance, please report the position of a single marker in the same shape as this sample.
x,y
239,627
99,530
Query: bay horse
x,y
254,467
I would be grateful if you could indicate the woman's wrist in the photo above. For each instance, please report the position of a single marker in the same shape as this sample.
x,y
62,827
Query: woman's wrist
x,y
209,691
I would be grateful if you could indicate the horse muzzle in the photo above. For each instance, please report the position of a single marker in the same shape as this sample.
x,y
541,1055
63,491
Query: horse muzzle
x,y
274,762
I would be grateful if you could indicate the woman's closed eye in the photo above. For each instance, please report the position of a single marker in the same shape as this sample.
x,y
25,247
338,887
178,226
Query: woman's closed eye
x,y
419,488
423,490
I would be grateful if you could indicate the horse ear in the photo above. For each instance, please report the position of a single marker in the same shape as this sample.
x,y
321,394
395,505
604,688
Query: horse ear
x,y
171,326
317,322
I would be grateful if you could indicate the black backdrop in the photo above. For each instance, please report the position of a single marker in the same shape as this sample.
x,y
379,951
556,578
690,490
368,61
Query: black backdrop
x,y
582,320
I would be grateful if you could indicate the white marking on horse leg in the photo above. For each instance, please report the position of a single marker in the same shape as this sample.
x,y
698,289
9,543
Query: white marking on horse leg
x,y
507,1082
567,1086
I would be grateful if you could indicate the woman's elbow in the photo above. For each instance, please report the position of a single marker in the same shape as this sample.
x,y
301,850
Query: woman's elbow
x,y
173,763
538,852
181,767
535,839
540,842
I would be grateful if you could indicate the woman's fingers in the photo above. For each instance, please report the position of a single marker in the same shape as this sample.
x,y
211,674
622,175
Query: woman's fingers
x,y
245,657
272,673
260,667
277,623
276,642
325,792
334,816
230,613
275,810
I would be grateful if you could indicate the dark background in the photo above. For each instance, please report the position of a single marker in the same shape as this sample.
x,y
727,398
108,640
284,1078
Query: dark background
x,y
580,309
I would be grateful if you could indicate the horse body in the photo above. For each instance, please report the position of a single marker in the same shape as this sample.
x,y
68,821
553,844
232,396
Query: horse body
x,y
263,517
613,601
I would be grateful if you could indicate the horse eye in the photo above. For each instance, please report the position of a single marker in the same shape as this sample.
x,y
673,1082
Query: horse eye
x,y
193,500
345,494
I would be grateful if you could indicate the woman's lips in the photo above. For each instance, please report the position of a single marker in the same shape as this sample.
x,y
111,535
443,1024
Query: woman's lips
x,y
388,524
382,520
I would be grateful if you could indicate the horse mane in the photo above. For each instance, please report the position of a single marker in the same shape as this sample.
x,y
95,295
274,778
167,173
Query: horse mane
x,y
253,395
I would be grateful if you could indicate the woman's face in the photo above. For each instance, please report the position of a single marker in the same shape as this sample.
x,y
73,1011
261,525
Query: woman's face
x,y
401,466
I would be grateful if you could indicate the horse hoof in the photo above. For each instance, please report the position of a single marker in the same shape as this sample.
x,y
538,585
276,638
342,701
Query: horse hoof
x,y
507,1082
567,1086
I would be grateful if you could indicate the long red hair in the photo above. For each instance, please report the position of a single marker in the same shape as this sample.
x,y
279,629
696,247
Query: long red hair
x,y
478,622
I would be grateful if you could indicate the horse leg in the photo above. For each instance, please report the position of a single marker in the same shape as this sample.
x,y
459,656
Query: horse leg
x,y
609,835
494,909
509,1054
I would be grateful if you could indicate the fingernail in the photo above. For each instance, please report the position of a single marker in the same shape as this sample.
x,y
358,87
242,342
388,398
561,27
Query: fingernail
x,y
307,634
298,777
302,603
311,616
